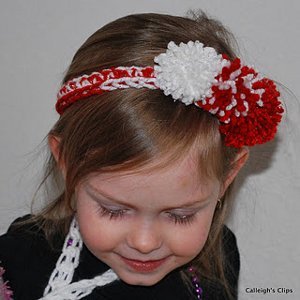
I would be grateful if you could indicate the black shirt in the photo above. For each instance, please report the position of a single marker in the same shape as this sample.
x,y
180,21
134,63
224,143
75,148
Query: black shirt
x,y
29,261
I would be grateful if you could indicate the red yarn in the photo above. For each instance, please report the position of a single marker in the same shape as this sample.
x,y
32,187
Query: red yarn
x,y
74,89
244,126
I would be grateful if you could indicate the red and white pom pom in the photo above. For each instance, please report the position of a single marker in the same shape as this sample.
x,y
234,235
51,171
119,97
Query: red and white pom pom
x,y
246,104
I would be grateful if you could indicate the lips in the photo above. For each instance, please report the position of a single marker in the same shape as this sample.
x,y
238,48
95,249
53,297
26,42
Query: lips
x,y
143,266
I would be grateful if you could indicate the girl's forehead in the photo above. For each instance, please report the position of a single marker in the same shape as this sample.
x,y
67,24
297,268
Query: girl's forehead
x,y
182,170
182,176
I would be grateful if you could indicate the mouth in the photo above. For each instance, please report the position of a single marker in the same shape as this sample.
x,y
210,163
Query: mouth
x,y
144,266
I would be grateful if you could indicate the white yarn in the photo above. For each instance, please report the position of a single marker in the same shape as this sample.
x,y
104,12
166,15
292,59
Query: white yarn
x,y
59,286
68,260
111,83
82,288
188,71
135,82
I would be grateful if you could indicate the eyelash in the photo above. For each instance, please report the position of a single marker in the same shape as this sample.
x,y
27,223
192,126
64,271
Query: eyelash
x,y
112,214
119,213
182,220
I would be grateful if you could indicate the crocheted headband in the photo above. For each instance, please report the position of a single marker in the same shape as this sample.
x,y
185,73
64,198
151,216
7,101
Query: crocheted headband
x,y
246,104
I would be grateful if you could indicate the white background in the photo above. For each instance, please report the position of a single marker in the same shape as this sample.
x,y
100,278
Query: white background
x,y
37,42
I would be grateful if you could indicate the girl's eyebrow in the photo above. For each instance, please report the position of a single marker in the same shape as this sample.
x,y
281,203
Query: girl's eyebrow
x,y
98,192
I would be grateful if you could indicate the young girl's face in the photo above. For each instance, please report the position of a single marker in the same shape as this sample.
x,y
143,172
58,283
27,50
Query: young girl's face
x,y
146,225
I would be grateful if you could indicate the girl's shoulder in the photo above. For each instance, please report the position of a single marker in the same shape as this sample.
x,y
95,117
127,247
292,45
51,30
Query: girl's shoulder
x,y
26,259
22,237
230,248
232,259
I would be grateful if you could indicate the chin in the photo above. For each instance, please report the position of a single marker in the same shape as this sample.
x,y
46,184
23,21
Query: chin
x,y
141,279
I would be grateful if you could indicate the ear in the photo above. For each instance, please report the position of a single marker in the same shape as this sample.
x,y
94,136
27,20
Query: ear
x,y
54,145
239,161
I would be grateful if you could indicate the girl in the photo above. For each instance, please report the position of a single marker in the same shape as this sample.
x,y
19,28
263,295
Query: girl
x,y
157,114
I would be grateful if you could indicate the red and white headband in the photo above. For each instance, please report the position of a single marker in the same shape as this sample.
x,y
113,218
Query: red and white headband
x,y
246,104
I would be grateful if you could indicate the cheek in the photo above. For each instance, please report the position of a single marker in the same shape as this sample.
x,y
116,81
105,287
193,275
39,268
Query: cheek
x,y
97,233
189,241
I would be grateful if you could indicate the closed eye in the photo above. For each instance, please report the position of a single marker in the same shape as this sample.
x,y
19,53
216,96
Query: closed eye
x,y
111,213
182,219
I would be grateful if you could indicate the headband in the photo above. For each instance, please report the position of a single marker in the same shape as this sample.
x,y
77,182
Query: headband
x,y
246,104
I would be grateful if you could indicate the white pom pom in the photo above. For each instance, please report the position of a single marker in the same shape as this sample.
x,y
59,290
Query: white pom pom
x,y
188,71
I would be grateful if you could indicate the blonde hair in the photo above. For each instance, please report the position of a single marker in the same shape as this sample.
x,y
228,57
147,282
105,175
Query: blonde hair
x,y
128,129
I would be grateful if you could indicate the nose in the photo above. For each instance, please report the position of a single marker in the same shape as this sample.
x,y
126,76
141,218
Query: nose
x,y
144,237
